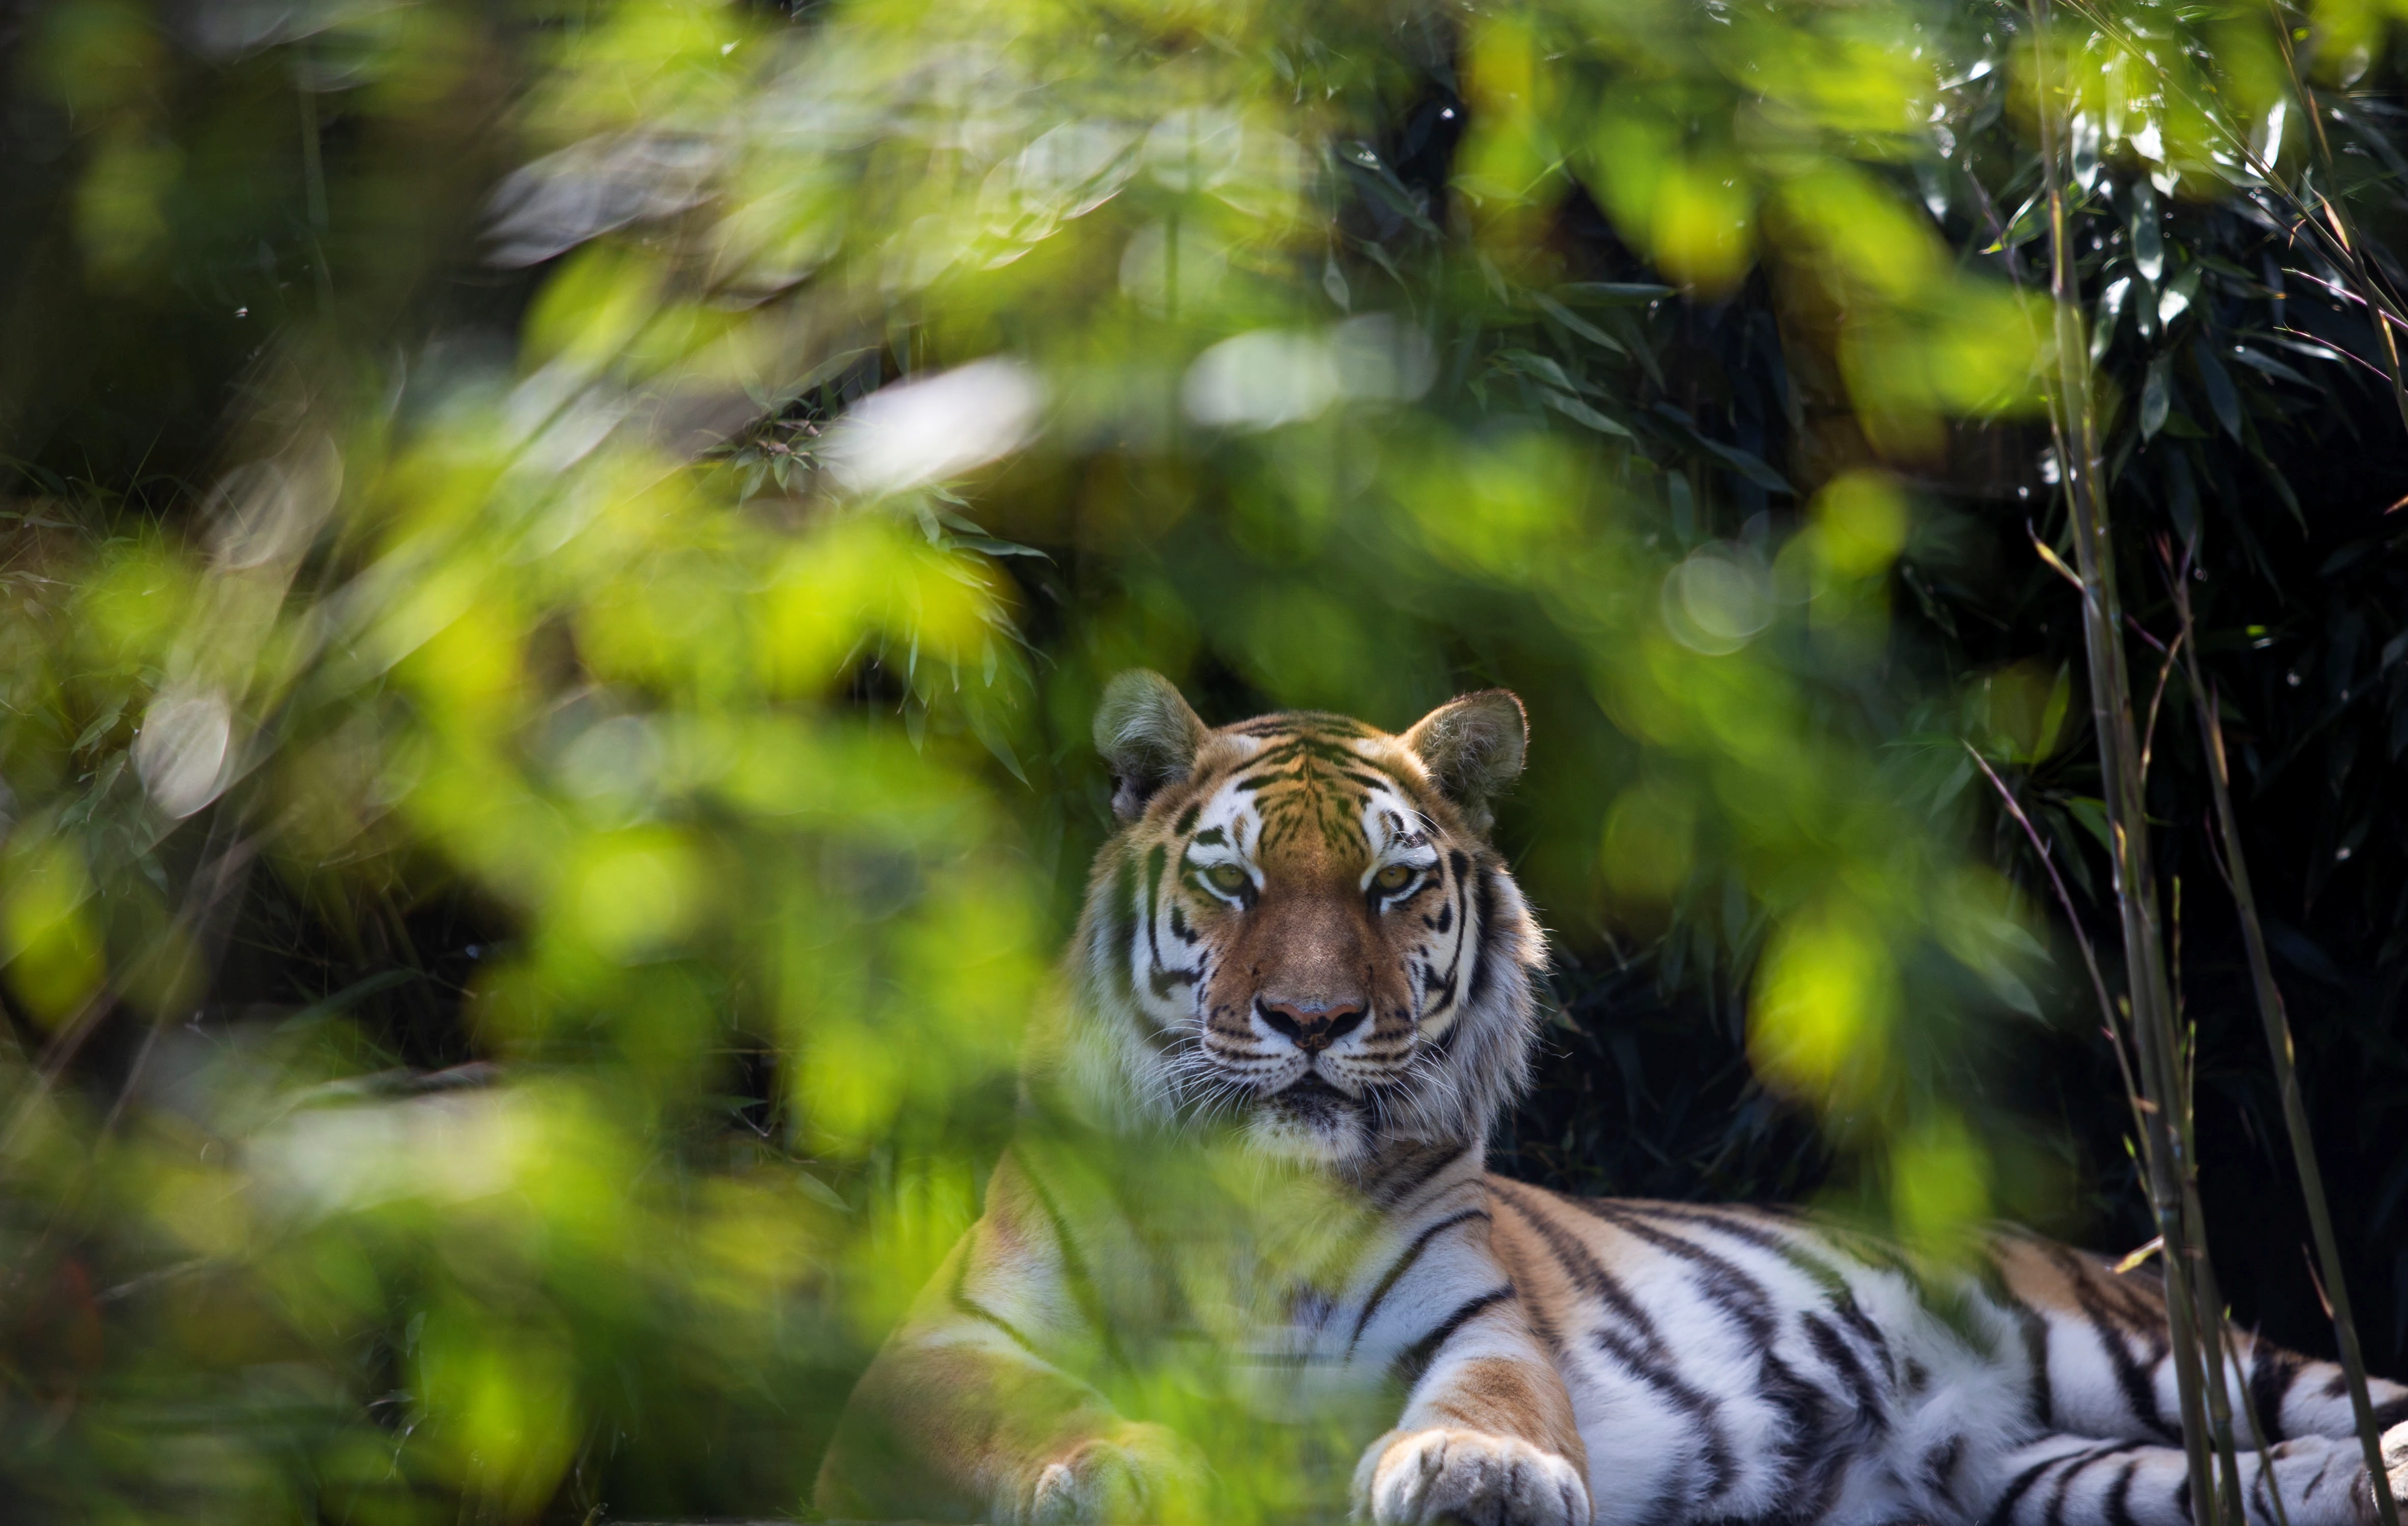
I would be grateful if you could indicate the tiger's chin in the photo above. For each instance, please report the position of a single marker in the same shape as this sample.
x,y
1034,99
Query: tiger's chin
x,y
1311,1121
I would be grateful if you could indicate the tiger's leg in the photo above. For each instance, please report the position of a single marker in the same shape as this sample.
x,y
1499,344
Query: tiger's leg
x,y
2305,1409
1487,1433
2110,1382
972,1410
2077,1481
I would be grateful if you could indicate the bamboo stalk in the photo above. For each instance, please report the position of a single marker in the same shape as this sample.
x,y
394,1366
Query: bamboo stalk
x,y
2207,1297
2075,418
2232,1504
2287,1076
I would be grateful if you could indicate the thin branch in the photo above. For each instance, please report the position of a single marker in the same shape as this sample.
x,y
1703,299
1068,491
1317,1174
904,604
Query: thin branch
x,y
2113,1028
2149,732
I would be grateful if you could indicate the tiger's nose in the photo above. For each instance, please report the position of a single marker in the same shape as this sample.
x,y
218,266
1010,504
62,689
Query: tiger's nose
x,y
1311,1028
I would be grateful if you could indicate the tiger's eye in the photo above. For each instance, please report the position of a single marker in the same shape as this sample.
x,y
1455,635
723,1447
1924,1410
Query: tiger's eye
x,y
1395,876
1226,877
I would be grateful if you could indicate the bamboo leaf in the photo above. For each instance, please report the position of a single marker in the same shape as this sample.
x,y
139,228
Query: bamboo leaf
x,y
1614,293
2218,385
1579,412
1578,324
2091,814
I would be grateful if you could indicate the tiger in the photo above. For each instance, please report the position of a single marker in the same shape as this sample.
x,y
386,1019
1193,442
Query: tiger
x,y
1300,929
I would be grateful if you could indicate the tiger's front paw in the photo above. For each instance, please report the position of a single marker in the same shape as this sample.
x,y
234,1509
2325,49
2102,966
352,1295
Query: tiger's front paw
x,y
1136,1473
1413,1478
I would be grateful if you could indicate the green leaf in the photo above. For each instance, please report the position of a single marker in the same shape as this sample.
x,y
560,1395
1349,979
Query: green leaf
x,y
2156,398
2053,714
2024,226
2267,365
1579,412
1578,324
990,734
2111,310
2148,233
2092,814
2008,989
1750,465
2218,384
1613,293
101,726
1538,367
821,1192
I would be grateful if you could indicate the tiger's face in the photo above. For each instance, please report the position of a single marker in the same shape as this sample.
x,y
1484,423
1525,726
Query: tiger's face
x,y
1301,926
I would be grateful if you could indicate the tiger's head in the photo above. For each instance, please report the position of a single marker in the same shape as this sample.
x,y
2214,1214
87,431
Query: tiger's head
x,y
1300,925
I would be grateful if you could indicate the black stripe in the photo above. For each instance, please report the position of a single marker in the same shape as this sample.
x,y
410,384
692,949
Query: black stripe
x,y
1644,1357
1740,1296
1424,1169
2271,1373
1838,1295
1811,1461
962,1303
1492,937
2119,1494
2137,1386
2261,1489
1873,1416
1074,1266
2004,1511
1444,985
1404,1264
2055,1514
1940,1467
977,1310
1415,1360
1581,1267
1155,858
1187,818
2027,1320
1700,1409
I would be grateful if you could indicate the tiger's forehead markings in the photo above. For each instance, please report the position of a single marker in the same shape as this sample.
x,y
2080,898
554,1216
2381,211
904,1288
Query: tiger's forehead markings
x,y
1311,777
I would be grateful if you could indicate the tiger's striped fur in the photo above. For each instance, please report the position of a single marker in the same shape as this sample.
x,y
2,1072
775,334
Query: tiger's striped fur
x,y
1301,933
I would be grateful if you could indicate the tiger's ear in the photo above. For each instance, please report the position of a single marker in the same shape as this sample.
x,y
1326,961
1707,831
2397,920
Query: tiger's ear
x,y
1473,747
1149,736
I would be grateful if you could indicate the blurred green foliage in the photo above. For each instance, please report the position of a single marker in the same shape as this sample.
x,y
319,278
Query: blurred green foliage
x,y
558,557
